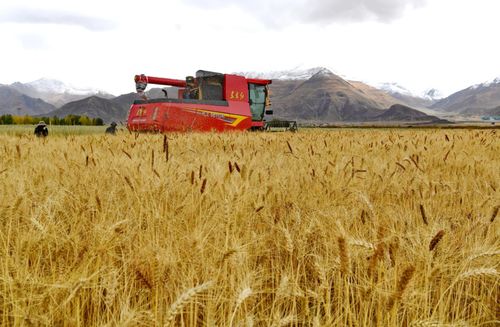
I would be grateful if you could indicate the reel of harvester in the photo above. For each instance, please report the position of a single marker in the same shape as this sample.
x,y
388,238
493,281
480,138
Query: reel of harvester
x,y
281,125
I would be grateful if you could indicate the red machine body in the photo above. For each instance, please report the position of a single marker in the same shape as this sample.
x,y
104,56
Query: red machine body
x,y
211,101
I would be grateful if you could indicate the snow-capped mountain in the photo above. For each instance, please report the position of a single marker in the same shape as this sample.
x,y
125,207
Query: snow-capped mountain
x,y
407,97
394,88
382,93
432,94
476,99
56,92
293,74
47,85
486,84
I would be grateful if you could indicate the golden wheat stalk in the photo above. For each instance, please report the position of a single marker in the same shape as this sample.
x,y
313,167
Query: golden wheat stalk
x,y
129,183
343,255
98,202
244,294
185,298
478,272
423,215
152,159
286,321
361,243
228,254
379,252
435,240
203,185
494,214
403,282
483,255
393,248
127,154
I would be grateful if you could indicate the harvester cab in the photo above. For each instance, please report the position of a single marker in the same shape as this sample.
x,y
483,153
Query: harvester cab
x,y
206,101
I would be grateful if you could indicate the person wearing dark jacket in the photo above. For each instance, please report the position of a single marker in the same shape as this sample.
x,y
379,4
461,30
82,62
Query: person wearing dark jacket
x,y
191,91
41,129
111,129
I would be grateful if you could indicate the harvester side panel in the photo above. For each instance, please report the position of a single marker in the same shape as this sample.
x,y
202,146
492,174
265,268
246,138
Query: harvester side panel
x,y
163,115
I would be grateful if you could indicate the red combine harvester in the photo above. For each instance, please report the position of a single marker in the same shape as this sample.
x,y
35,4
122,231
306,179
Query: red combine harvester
x,y
209,101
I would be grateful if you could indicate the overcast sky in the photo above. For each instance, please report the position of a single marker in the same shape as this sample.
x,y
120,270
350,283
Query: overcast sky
x,y
420,44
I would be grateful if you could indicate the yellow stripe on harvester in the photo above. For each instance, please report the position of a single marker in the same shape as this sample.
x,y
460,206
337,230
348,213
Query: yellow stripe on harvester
x,y
221,115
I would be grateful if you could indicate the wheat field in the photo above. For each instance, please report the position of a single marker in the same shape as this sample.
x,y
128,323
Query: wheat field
x,y
347,227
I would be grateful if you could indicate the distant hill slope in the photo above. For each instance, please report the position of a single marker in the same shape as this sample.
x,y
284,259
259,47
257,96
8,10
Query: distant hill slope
x,y
115,109
126,100
402,113
94,107
482,112
384,95
325,97
381,97
412,101
16,103
318,95
406,97
472,100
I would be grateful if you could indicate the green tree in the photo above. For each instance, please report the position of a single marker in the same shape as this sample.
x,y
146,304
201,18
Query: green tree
x,y
6,119
54,120
97,121
84,120
72,120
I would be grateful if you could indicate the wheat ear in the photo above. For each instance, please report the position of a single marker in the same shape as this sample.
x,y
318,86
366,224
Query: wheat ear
x,y
435,240
184,299
404,280
479,272
483,255
344,255
244,294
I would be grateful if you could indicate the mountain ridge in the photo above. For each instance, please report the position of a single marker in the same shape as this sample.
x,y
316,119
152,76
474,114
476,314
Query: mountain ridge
x,y
56,92
312,94
16,103
93,107
327,97
472,100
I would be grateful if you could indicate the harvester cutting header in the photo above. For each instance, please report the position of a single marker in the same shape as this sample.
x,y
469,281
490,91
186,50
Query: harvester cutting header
x,y
209,101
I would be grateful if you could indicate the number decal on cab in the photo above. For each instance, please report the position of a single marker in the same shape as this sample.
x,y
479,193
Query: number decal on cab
x,y
235,95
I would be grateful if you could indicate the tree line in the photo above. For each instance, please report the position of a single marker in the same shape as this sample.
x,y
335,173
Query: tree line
x,y
68,120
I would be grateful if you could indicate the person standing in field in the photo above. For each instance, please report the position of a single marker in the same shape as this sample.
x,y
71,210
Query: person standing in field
x,y
111,129
41,129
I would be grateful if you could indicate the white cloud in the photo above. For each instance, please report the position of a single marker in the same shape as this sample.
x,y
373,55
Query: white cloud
x,y
445,44
57,17
277,13
359,10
